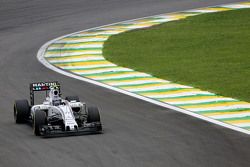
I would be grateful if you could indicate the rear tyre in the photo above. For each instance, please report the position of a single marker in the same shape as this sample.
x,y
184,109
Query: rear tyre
x,y
21,111
39,119
72,98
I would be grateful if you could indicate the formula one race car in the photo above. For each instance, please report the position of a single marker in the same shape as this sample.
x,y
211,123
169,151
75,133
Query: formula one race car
x,y
56,116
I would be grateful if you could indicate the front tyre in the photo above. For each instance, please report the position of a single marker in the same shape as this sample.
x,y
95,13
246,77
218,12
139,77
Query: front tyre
x,y
21,111
39,119
94,117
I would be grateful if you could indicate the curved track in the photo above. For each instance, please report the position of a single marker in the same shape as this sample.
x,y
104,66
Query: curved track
x,y
136,133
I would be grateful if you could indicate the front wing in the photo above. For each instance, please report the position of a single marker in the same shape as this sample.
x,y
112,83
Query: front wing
x,y
57,131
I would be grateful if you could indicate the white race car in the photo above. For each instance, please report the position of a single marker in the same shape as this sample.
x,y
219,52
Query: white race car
x,y
57,116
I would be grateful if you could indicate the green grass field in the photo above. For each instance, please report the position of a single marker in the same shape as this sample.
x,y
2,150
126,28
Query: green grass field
x,y
209,51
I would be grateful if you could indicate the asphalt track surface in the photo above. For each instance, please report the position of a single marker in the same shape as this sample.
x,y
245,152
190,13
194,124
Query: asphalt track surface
x,y
136,133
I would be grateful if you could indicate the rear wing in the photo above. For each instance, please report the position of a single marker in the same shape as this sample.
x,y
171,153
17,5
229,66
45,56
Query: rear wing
x,y
42,86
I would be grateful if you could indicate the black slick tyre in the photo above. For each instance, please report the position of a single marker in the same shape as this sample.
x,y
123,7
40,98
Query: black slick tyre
x,y
39,119
21,111
72,98
93,115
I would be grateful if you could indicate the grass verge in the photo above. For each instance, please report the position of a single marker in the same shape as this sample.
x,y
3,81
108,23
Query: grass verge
x,y
209,51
